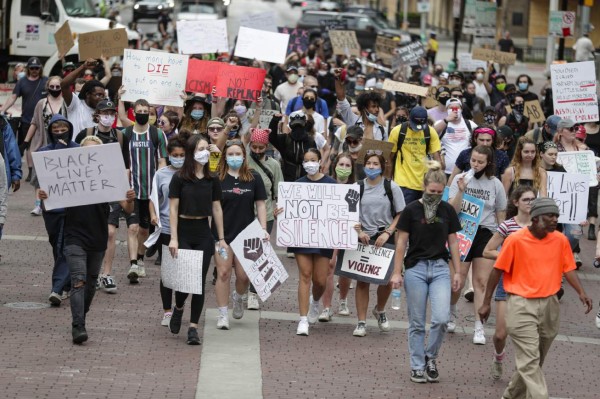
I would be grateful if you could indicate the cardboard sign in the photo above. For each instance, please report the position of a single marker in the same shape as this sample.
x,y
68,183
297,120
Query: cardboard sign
x,y
570,191
318,215
466,63
201,76
392,85
344,42
64,39
574,91
241,83
204,36
256,44
367,263
103,43
583,162
259,260
298,39
469,217
533,111
156,77
6,90
385,47
333,24
81,176
500,57
266,21
184,273
265,117
380,147
408,54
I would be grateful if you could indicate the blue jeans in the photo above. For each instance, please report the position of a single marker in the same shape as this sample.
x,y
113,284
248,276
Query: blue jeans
x,y
427,279
573,233
84,266
55,222
411,195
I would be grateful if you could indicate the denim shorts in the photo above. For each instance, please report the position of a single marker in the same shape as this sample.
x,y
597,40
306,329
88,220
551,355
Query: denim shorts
x,y
501,295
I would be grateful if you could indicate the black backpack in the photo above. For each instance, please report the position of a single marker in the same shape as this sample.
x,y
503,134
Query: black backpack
x,y
387,186
402,137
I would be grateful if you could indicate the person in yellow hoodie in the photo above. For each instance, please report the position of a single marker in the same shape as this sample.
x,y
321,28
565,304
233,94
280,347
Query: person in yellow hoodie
x,y
432,48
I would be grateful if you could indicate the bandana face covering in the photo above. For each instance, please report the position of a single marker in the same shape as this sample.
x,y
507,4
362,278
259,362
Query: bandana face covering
x,y
430,205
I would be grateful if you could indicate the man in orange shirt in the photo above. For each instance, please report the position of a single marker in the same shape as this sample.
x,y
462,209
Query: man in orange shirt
x,y
533,261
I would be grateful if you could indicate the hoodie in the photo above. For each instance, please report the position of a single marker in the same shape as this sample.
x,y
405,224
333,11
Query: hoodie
x,y
10,152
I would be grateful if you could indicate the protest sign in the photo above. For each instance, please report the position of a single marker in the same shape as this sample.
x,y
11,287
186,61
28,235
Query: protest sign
x,y
470,14
385,47
570,191
392,85
104,43
500,57
367,263
344,42
466,63
298,39
200,37
259,260
583,162
156,77
265,117
333,24
561,23
64,39
533,111
262,45
469,217
241,83
184,273
380,147
318,215
201,76
6,90
408,54
82,175
574,91
266,21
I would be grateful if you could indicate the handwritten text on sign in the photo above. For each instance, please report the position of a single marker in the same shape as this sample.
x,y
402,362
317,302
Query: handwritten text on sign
x,y
367,263
241,83
82,175
204,36
570,191
201,76
298,39
105,43
583,162
469,217
392,85
154,76
259,260
574,91
344,42
184,273
501,57
318,215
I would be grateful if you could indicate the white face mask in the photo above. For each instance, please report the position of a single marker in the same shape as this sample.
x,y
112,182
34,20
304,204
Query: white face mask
x,y
355,149
311,168
107,120
479,77
202,157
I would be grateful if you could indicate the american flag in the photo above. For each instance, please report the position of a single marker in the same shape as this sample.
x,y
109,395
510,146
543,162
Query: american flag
x,y
33,29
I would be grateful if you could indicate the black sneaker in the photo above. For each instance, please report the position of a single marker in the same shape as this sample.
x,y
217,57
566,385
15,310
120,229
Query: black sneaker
x,y
175,323
418,376
79,334
151,251
432,371
193,338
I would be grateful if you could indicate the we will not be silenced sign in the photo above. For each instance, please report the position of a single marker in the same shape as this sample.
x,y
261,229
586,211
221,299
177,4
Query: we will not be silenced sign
x,y
82,175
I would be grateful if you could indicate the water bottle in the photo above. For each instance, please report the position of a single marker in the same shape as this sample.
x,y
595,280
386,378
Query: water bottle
x,y
597,263
396,295
468,176
223,252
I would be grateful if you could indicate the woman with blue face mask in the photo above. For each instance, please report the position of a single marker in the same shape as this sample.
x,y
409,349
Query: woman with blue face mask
x,y
378,220
242,190
196,115
159,211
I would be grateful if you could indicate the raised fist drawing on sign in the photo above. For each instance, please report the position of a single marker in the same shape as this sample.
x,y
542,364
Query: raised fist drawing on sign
x,y
352,199
253,248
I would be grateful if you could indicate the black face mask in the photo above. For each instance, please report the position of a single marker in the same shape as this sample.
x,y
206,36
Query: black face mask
x,y
443,100
257,156
309,103
478,175
66,137
55,93
519,108
311,54
142,119
299,133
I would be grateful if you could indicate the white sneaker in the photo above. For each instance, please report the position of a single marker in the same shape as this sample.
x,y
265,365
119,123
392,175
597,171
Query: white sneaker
x,y
343,308
291,255
223,322
133,274
326,315
382,321
360,330
496,370
451,325
36,211
253,303
65,295
313,311
578,261
166,319
238,305
302,328
142,269
479,336
54,299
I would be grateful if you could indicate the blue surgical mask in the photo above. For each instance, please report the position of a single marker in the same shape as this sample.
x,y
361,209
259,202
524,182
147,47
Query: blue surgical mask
x,y
523,86
371,117
372,174
232,134
176,162
235,161
197,114
359,87
20,75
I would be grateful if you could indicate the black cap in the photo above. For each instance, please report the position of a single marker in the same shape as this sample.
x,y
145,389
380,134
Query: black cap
x,y
355,132
442,90
106,104
34,62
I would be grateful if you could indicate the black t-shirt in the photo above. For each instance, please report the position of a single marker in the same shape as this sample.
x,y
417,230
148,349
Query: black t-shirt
x,y
427,241
195,197
238,203
87,226
505,44
32,91
107,138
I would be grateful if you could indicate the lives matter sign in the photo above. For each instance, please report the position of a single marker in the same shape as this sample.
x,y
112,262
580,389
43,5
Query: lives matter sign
x,y
367,263
469,217
570,191
318,215
82,175
574,91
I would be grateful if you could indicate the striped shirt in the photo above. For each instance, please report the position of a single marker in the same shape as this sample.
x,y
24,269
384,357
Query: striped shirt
x,y
144,161
508,227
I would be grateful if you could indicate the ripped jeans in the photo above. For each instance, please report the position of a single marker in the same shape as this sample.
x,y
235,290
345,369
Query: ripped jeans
x,y
84,266
573,233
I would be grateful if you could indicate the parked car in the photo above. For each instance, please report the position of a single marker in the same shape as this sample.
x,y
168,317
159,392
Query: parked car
x,y
191,10
323,6
151,8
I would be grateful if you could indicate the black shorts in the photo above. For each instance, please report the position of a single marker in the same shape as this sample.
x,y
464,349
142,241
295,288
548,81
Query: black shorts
x,y
482,237
140,214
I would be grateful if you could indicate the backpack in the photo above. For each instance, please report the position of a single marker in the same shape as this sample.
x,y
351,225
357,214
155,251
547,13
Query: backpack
x,y
402,137
153,135
91,131
387,186
269,175
469,128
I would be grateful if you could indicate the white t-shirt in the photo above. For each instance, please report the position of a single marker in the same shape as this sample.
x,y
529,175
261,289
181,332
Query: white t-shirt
x,y
456,139
319,122
80,115
481,92
286,91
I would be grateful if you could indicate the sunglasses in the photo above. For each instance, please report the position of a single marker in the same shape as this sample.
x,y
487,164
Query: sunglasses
x,y
215,129
572,129
374,152
352,142
229,143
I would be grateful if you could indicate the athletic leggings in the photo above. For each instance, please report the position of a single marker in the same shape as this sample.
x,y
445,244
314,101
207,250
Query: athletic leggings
x,y
195,234
166,294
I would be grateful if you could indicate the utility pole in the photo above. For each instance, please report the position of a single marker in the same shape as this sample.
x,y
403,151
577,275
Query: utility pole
x,y
561,41
551,43
457,12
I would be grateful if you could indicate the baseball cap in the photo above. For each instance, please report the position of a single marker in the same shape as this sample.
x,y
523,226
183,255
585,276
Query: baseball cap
x,y
505,132
216,121
552,123
34,62
565,123
418,118
68,65
106,104
444,75
355,132
453,101
297,118
291,68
